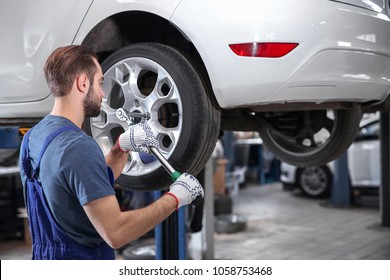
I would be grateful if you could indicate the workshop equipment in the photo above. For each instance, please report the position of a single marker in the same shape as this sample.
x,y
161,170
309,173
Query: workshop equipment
x,y
168,167
125,116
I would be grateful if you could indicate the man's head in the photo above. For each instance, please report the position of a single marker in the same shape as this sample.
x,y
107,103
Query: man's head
x,y
75,66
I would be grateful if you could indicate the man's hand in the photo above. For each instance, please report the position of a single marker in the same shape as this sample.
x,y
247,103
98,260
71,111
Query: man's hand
x,y
138,138
186,189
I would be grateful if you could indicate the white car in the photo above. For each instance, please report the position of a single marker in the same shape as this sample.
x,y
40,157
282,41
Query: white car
x,y
364,166
195,67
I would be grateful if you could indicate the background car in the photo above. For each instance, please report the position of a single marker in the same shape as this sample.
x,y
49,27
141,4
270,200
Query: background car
x,y
191,69
363,164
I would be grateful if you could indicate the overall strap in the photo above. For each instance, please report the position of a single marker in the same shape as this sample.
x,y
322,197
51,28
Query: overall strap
x,y
26,160
48,140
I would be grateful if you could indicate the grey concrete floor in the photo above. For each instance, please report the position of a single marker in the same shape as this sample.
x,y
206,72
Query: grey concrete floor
x,y
284,225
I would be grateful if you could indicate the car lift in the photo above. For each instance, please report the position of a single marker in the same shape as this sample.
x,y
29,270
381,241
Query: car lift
x,y
341,191
9,139
385,165
171,234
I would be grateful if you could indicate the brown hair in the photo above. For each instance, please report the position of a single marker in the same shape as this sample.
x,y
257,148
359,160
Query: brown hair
x,y
63,66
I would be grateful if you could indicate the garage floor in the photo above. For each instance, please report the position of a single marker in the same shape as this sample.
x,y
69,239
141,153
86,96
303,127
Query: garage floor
x,y
286,226
283,225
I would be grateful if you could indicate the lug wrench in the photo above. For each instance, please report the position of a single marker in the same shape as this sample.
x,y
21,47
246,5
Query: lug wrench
x,y
123,116
168,167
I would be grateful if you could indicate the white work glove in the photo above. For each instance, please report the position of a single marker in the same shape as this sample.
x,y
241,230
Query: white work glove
x,y
186,189
138,138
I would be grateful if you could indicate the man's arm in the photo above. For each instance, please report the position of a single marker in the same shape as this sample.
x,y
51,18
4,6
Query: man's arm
x,y
119,228
116,159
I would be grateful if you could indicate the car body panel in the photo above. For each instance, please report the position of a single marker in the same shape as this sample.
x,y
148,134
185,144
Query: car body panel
x,y
343,52
29,31
364,155
364,164
287,174
102,9
28,43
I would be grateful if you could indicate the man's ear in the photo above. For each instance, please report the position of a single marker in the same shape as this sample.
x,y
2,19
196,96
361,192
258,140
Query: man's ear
x,y
82,83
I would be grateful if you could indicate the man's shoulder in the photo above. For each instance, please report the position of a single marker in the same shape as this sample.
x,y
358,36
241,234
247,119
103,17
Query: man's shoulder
x,y
79,140
50,124
74,138
75,148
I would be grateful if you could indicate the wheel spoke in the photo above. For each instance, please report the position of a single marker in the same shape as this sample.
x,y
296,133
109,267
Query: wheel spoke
x,y
143,86
312,141
128,94
329,124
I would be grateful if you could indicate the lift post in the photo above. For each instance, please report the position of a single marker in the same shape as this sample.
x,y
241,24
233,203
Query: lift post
x,y
341,189
385,164
171,234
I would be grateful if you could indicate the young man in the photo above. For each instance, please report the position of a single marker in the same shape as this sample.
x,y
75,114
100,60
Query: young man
x,y
68,183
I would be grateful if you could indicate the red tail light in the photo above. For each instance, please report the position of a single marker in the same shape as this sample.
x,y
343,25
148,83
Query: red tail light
x,y
263,49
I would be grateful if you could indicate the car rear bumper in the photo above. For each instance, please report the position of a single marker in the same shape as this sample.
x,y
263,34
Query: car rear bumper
x,y
337,75
342,55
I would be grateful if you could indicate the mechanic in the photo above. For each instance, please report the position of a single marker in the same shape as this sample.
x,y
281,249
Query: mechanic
x,y
68,183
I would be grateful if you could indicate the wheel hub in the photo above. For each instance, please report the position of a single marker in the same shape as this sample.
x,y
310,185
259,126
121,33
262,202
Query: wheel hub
x,y
313,180
137,114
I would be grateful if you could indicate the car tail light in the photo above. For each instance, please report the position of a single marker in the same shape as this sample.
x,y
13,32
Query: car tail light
x,y
263,49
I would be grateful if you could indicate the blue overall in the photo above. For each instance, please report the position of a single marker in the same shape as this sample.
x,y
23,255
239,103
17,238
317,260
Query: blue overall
x,y
49,241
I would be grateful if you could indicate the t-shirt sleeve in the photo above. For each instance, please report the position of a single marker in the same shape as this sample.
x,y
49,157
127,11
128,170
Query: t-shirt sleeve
x,y
85,171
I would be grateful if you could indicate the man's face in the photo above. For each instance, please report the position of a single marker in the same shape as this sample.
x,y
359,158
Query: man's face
x,y
94,97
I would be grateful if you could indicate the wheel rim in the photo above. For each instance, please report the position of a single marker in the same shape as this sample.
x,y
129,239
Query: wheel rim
x,y
143,86
308,142
311,138
313,180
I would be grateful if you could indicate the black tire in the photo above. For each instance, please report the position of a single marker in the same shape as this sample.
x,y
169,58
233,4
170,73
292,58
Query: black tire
x,y
315,181
181,116
305,150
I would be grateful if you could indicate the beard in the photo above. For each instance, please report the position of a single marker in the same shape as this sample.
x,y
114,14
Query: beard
x,y
91,104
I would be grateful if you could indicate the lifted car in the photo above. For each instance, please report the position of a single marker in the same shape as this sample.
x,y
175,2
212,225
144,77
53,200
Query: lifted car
x,y
195,67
